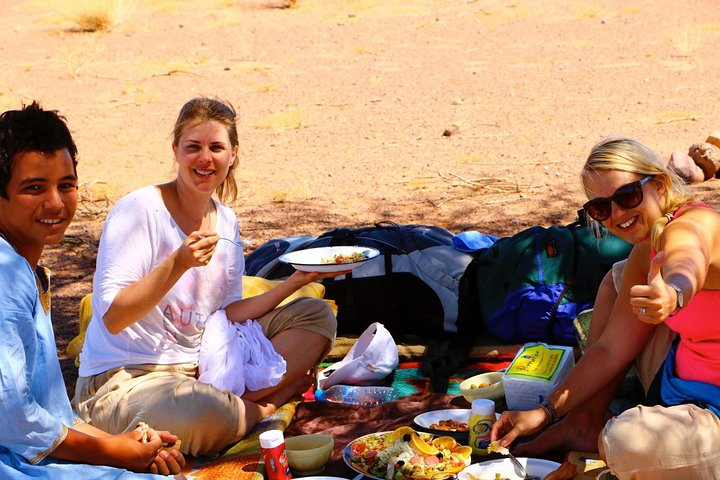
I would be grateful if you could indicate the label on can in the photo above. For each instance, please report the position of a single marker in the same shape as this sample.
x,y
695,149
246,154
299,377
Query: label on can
x,y
538,361
480,429
276,463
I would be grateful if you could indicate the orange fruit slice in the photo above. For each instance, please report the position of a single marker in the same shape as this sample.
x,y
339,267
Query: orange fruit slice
x,y
447,443
463,451
420,446
398,434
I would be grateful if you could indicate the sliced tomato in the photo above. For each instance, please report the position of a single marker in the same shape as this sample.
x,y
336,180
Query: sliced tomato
x,y
358,448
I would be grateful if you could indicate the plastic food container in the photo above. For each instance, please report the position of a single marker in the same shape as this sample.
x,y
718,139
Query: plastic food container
x,y
536,371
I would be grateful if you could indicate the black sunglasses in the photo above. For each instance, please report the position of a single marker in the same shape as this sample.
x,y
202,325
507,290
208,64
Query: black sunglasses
x,y
627,196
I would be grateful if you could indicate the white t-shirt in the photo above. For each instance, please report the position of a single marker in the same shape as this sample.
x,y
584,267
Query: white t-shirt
x,y
138,235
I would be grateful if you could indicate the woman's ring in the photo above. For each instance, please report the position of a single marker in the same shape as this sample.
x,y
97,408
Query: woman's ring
x,y
642,310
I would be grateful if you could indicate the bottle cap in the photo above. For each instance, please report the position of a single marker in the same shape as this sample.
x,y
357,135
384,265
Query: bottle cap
x,y
271,439
320,395
483,406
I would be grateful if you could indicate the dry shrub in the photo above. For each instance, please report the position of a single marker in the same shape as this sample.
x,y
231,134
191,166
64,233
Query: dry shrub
x,y
97,15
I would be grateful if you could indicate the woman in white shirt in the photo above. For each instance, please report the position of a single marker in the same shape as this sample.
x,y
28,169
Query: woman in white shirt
x,y
161,273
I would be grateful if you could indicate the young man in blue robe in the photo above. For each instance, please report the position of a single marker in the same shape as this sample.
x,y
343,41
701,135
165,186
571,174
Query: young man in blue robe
x,y
41,437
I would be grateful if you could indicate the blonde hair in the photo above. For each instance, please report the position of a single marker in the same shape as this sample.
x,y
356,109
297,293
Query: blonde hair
x,y
629,155
203,109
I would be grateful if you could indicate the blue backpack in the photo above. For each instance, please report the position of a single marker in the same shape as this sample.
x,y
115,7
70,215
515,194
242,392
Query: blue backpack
x,y
531,286
412,287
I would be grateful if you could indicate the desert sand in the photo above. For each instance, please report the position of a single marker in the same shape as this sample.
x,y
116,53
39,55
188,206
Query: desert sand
x,y
467,114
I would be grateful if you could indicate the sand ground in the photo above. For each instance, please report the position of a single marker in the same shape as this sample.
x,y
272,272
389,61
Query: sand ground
x,y
467,114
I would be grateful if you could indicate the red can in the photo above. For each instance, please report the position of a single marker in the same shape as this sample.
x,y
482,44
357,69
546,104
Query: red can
x,y
272,444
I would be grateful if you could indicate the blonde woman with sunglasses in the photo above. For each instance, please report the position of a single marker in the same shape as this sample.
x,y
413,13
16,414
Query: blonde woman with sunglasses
x,y
659,310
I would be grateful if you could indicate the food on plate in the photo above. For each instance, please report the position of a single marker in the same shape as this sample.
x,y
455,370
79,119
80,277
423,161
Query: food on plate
x,y
480,385
398,434
498,476
496,447
450,425
405,454
338,258
566,471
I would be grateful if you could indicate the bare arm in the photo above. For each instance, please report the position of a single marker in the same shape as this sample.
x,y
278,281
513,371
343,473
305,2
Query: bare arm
x,y
88,429
87,444
622,340
124,451
688,258
137,299
259,305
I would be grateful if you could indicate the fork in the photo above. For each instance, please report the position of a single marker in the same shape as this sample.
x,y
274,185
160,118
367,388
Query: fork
x,y
521,469
239,244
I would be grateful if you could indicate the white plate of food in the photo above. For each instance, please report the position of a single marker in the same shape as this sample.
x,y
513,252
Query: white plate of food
x,y
408,453
452,422
329,259
504,467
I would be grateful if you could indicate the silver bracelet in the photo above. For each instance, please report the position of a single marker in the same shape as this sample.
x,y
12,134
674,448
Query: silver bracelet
x,y
549,409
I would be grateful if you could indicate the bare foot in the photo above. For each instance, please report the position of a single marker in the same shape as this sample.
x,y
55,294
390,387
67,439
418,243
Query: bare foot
x,y
577,431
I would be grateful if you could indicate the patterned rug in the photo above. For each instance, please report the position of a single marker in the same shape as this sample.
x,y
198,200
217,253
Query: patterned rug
x,y
408,378
242,461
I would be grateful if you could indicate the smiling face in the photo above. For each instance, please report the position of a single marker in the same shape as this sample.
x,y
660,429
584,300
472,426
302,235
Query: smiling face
x,y
204,155
42,199
633,224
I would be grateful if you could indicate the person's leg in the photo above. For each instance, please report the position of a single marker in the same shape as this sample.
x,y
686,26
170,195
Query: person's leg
x,y
168,397
302,332
663,443
579,429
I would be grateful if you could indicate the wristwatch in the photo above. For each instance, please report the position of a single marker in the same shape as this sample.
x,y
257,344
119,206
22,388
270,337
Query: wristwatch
x,y
680,297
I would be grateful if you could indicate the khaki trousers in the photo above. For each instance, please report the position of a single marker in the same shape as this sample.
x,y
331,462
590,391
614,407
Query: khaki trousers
x,y
169,397
663,443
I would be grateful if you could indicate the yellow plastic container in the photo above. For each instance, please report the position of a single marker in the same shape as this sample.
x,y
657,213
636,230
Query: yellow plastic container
x,y
482,418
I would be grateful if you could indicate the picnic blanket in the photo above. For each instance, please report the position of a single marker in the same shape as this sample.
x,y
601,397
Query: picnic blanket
x,y
409,379
348,422
241,461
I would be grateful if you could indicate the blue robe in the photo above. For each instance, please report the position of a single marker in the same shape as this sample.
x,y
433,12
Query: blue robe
x,y
34,405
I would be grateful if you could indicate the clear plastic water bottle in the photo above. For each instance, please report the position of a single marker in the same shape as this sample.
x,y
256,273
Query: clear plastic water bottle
x,y
356,395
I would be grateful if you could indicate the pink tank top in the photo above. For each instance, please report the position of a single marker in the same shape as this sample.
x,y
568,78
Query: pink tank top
x,y
698,325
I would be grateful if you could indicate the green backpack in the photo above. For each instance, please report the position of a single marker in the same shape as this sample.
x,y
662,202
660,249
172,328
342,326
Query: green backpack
x,y
532,285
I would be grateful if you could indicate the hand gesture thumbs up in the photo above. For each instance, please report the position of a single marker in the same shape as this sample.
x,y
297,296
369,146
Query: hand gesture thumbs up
x,y
655,278
648,300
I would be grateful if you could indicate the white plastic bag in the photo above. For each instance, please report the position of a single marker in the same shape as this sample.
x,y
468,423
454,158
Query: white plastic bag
x,y
373,357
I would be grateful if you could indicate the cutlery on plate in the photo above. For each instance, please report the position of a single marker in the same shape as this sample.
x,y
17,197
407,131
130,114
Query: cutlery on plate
x,y
520,468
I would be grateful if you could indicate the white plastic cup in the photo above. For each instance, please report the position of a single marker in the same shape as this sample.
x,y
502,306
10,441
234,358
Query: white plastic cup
x,y
482,418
